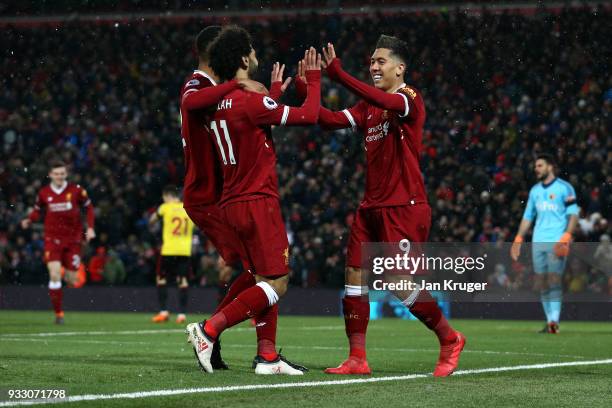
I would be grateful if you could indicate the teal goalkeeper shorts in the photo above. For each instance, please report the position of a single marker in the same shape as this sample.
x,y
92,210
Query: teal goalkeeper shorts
x,y
545,260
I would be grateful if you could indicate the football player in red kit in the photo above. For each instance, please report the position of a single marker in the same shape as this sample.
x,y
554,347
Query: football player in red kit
x,y
203,177
390,116
240,129
61,203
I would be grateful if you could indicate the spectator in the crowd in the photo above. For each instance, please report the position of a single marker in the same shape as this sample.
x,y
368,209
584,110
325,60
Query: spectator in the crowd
x,y
498,89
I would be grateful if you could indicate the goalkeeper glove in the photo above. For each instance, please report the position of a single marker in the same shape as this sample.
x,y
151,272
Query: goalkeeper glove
x,y
515,251
561,248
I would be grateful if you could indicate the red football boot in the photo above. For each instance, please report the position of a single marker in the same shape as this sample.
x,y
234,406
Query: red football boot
x,y
449,357
350,366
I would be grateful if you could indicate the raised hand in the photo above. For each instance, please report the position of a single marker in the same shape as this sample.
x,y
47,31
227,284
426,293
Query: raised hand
x,y
312,60
301,70
277,76
329,53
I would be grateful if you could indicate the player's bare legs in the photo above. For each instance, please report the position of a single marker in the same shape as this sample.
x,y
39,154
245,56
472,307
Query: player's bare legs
x,y
56,293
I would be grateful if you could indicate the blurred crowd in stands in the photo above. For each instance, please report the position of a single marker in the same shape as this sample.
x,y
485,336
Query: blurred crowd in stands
x,y
499,89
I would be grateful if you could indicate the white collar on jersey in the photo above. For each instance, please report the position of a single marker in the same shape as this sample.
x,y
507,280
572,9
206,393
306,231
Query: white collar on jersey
x,y
403,85
59,190
205,75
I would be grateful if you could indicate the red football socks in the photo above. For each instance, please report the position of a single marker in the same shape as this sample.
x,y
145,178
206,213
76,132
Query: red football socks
x,y
265,325
56,296
247,304
356,317
244,281
426,309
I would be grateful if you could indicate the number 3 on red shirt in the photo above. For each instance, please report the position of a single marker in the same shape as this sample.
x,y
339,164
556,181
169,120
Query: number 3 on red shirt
x,y
223,123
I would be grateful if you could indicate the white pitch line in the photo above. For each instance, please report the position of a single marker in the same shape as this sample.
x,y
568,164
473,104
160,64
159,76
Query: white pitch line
x,y
148,331
334,348
250,387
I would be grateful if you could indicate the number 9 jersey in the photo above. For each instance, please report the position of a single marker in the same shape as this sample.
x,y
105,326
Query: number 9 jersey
x,y
177,230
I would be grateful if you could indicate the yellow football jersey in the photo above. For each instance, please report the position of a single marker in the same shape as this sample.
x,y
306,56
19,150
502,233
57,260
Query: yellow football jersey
x,y
177,231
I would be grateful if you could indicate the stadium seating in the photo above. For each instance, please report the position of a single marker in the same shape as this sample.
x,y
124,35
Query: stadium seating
x,y
106,100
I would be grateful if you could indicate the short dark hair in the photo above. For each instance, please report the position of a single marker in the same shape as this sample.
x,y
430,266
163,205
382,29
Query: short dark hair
x,y
548,158
203,40
171,190
56,164
398,47
227,50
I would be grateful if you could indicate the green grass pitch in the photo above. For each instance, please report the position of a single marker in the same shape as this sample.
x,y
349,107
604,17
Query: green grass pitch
x,y
113,353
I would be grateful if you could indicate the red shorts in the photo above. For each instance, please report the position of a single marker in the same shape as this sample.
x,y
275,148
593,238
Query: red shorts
x,y
260,228
387,224
66,252
210,219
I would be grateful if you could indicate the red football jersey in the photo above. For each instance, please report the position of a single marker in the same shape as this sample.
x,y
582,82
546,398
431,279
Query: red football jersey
x,y
240,128
63,211
202,173
392,127
393,144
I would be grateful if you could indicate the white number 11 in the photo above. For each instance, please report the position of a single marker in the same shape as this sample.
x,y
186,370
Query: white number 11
x,y
223,123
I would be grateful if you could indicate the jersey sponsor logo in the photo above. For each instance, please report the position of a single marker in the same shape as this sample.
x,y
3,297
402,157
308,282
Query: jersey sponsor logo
x,y
409,91
59,207
546,206
269,103
377,132
193,82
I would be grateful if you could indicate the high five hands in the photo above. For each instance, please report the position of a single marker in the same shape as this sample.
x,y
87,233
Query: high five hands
x,y
329,53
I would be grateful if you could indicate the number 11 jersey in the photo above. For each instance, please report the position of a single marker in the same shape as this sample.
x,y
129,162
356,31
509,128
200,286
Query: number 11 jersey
x,y
240,129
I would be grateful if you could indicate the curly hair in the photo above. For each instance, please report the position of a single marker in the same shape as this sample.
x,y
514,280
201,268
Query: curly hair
x,y
227,50
398,47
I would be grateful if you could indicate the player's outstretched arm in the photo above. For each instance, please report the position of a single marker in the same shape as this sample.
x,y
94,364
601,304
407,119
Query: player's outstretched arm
x,y
391,101
201,98
328,119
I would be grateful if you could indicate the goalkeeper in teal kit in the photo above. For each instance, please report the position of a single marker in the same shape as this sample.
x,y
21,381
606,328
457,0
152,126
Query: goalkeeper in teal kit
x,y
552,203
